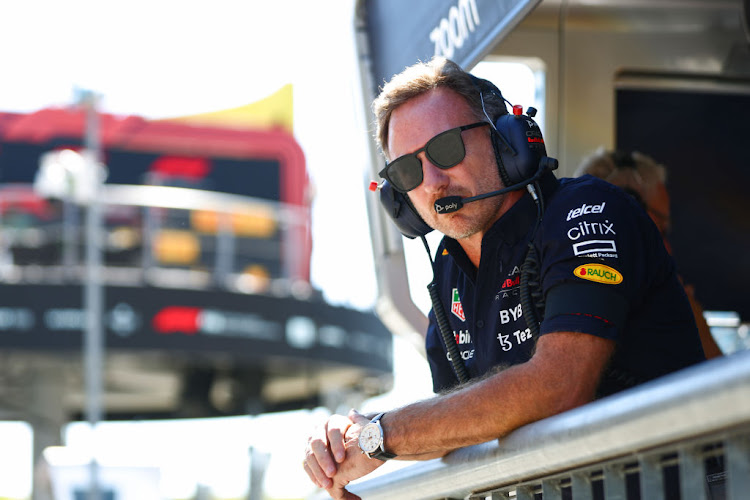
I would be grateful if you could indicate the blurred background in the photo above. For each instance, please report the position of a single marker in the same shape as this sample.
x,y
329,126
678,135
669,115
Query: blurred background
x,y
243,99
269,122
219,154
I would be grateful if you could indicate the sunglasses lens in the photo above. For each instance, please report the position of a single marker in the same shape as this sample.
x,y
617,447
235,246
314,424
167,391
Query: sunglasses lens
x,y
405,173
447,149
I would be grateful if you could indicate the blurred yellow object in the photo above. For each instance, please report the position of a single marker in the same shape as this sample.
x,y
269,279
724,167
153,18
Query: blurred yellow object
x,y
172,246
123,238
260,222
276,110
254,279
257,270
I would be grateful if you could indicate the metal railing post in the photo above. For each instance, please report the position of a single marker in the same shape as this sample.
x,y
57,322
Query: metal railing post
x,y
580,486
651,478
737,454
692,473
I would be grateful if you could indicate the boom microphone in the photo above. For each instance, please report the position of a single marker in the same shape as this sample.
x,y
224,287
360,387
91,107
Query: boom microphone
x,y
451,204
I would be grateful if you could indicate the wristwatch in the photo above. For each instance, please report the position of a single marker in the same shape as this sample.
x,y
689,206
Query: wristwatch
x,y
371,440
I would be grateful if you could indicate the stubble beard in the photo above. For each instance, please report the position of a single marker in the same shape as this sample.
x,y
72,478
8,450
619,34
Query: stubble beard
x,y
473,218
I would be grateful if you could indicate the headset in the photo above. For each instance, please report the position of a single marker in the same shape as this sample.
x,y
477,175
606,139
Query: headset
x,y
520,154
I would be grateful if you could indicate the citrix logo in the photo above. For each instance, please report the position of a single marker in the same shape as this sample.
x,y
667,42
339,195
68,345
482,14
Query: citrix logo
x,y
585,228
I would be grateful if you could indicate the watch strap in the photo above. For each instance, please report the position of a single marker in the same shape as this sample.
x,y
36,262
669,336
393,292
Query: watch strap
x,y
383,455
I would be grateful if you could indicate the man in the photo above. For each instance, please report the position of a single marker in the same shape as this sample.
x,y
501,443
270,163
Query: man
x,y
643,178
615,313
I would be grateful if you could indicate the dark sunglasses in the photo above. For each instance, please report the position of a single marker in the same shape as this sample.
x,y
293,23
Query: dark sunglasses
x,y
445,150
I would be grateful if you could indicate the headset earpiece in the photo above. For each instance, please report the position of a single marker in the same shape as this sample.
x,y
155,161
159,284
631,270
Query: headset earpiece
x,y
517,139
399,208
519,146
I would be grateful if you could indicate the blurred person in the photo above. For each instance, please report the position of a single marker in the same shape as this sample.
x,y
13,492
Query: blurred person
x,y
646,180
614,315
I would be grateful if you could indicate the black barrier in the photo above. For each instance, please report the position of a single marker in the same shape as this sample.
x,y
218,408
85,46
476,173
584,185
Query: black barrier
x,y
707,164
244,328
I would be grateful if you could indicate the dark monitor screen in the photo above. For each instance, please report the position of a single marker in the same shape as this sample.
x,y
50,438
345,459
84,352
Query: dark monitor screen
x,y
699,128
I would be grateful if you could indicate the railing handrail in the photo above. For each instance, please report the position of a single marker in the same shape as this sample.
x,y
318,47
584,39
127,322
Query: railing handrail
x,y
182,198
195,199
240,229
710,397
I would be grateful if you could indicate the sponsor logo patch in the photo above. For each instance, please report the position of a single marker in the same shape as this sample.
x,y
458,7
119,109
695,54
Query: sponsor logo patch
x,y
595,246
462,337
586,209
456,307
508,283
585,228
598,273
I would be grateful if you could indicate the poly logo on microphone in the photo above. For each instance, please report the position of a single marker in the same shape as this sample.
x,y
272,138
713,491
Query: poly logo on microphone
x,y
448,204
451,207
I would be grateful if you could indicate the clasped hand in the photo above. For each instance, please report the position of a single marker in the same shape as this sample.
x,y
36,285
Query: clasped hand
x,y
333,457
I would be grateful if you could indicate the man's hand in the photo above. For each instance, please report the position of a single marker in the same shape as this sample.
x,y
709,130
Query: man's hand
x,y
325,449
333,458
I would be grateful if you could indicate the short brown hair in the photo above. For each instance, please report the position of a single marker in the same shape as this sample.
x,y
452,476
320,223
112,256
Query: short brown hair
x,y
633,170
423,77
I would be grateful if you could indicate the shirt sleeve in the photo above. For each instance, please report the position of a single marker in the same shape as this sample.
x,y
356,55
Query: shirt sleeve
x,y
597,248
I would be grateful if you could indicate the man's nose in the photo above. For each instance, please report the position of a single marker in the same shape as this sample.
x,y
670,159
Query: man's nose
x,y
434,179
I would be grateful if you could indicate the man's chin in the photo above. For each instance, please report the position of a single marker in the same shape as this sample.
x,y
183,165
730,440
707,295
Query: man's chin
x,y
454,225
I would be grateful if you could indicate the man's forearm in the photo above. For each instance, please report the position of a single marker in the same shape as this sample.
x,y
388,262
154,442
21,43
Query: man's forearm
x,y
563,374
436,426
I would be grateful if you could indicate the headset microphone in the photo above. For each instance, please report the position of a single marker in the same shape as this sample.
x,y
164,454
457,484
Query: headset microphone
x,y
451,204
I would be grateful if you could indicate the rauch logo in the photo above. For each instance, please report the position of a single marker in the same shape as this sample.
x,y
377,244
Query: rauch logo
x,y
599,273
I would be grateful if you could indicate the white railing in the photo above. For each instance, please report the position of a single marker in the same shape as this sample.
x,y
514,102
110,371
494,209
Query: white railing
x,y
688,431
49,238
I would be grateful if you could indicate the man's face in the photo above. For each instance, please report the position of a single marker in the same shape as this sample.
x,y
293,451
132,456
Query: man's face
x,y
417,121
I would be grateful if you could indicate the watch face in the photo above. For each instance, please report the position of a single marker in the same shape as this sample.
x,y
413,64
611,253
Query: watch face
x,y
369,438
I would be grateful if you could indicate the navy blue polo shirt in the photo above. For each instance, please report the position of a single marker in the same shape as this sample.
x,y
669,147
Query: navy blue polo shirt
x,y
604,271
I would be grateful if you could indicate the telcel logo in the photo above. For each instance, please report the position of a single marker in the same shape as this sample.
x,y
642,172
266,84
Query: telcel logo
x,y
586,209
599,273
